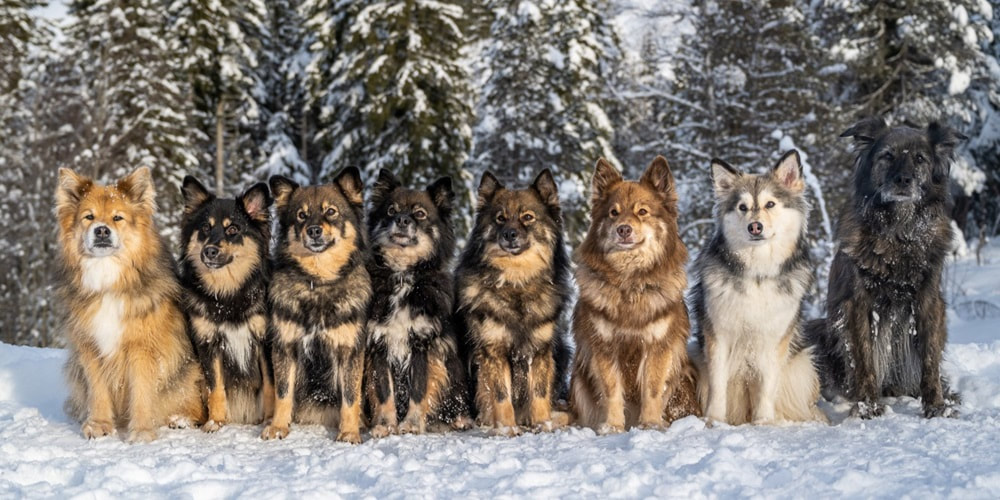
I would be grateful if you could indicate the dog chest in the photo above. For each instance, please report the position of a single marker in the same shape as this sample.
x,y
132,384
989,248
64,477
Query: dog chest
x,y
106,326
400,323
740,307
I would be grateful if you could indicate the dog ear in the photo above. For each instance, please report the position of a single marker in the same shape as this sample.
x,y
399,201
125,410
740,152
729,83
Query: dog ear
x,y
256,202
282,188
866,131
71,188
658,176
442,194
944,140
788,171
488,187
545,186
724,177
349,182
139,187
195,195
606,176
384,185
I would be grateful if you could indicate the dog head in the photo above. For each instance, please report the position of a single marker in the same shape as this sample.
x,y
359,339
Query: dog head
x,y
631,222
409,226
518,229
902,165
224,239
320,226
760,209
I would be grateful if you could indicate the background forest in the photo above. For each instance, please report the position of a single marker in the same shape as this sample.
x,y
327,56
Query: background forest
x,y
234,91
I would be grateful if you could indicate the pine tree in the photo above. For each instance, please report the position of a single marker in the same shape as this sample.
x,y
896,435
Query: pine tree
x,y
397,98
542,104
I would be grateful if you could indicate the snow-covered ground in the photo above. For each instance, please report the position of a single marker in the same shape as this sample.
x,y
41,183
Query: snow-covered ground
x,y
42,453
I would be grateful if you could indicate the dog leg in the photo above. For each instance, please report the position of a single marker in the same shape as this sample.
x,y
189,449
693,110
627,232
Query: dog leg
x,y
654,373
217,404
267,386
864,384
717,356
769,374
608,375
100,413
540,375
350,403
494,390
285,367
931,337
144,373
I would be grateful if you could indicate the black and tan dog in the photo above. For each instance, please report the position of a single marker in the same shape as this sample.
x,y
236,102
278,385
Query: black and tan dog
x,y
886,329
512,288
413,367
224,268
631,324
319,296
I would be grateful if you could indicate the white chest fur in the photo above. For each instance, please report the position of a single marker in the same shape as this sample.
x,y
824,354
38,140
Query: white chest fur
x,y
106,324
239,344
758,312
395,330
99,274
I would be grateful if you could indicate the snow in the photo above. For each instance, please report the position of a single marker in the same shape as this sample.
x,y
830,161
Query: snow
x,y
901,454
960,80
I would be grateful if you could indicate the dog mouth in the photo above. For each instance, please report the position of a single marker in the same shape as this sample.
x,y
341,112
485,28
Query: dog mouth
x,y
318,246
628,243
899,196
217,263
513,248
402,240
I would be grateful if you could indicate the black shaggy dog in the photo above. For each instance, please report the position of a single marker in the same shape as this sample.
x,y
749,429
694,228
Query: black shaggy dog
x,y
224,270
512,286
885,329
413,368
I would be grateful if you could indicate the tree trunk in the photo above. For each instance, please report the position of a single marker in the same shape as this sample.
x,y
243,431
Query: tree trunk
x,y
219,147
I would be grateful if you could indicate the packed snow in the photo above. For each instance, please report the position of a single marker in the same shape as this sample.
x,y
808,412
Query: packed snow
x,y
42,453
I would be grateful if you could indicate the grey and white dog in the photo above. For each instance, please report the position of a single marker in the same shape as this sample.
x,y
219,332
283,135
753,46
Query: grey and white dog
x,y
885,329
747,299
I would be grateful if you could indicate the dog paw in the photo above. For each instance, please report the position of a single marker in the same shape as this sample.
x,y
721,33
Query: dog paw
x,y
940,410
212,425
543,426
462,423
382,430
349,437
411,427
865,410
606,429
274,432
97,428
141,436
651,426
506,431
179,422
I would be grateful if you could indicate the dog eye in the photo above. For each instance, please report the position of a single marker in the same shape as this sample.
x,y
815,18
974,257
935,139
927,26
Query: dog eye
x,y
920,159
527,217
643,212
614,212
89,216
232,230
331,212
501,219
420,214
770,204
888,156
205,228
743,208
391,211
302,215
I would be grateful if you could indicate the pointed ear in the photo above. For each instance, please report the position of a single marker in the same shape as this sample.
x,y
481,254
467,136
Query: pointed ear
x,y
349,182
384,185
441,193
256,202
658,176
282,188
545,186
788,171
723,177
866,131
195,195
943,140
488,187
71,188
139,187
606,176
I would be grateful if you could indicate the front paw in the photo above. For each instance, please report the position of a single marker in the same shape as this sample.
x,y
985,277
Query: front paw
x,y
141,436
351,437
412,426
651,426
940,410
382,430
867,410
462,423
97,428
543,426
506,431
605,429
274,432
212,425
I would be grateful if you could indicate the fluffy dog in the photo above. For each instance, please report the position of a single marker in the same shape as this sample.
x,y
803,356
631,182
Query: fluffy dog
x,y
631,324
414,371
886,328
131,363
319,296
512,288
747,299
224,270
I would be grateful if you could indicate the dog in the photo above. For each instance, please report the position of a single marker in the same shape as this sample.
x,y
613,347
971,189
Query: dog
x,y
750,282
319,296
224,271
512,286
131,363
630,323
413,367
886,329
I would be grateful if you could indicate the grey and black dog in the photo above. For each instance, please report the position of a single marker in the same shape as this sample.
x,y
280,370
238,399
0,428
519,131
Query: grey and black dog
x,y
886,331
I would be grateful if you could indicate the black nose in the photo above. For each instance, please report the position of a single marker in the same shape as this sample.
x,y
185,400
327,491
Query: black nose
x,y
210,252
404,220
102,232
755,228
624,231
904,180
314,232
509,234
